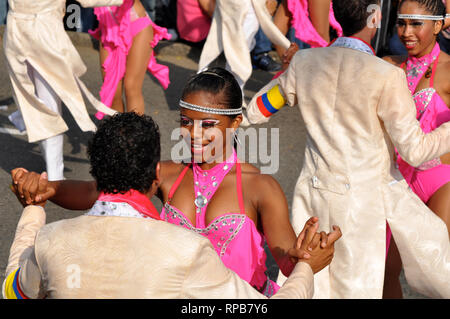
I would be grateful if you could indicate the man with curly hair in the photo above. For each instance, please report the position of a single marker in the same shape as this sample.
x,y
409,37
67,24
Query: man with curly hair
x,y
121,248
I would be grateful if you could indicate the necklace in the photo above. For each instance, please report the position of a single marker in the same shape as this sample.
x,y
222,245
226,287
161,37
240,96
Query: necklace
x,y
416,67
206,182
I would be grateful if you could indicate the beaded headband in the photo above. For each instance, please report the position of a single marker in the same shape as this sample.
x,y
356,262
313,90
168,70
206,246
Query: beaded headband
x,y
210,110
420,17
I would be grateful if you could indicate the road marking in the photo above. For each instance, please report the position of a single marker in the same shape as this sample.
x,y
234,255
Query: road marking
x,y
12,131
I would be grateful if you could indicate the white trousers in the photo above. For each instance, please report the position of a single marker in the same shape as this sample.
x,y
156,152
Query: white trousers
x,y
51,148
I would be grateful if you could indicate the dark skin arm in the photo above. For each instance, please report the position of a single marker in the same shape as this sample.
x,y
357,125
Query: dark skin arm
x,y
319,15
284,245
273,212
73,195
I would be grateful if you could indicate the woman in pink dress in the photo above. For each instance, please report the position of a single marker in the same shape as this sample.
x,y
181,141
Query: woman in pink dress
x,y
311,20
217,196
127,37
427,69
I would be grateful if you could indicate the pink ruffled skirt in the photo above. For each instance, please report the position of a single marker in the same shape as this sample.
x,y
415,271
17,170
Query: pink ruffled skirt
x,y
117,28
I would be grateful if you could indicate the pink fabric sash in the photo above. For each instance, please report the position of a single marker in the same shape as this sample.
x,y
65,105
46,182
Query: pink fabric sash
x,y
135,199
116,31
304,29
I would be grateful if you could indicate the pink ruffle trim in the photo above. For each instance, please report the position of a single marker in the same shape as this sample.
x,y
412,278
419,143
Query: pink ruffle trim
x,y
116,33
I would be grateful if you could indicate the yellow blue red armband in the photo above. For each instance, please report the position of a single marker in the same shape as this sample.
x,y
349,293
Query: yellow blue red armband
x,y
12,286
271,102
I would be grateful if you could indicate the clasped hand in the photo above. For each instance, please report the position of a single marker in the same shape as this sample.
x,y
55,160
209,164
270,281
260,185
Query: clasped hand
x,y
316,249
30,188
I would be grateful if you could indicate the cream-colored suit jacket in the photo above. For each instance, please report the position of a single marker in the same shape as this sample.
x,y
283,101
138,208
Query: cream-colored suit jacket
x,y
127,257
356,107
227,35
35,36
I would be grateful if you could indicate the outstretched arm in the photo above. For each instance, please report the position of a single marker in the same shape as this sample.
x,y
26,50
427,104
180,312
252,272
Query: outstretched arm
x,y
69,194
274,96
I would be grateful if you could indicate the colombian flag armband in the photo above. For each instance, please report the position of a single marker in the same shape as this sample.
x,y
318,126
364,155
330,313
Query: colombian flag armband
x,y
12,286
271,102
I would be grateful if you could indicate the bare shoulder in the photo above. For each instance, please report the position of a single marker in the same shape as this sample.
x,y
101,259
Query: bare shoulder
x,y
444,68
396,60
444,61
259,182
170,168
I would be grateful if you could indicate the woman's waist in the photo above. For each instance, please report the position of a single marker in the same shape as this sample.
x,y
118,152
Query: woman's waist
x,y
439,165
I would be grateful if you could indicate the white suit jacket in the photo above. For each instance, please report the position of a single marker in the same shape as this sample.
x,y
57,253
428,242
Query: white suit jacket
x,y
127,257
356,108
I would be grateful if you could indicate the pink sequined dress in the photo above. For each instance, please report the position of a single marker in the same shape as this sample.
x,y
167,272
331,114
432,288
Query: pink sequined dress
x,y
432,111
234,235
117,27
304,29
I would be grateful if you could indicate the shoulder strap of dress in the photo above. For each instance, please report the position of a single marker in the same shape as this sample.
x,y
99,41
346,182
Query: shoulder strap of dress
x,y
239,188
433,72
177,183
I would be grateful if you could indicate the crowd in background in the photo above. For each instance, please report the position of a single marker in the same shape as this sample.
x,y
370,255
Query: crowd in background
x,y
189,21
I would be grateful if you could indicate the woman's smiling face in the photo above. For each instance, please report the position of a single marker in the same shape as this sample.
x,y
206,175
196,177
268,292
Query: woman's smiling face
x,y
209,134
418,36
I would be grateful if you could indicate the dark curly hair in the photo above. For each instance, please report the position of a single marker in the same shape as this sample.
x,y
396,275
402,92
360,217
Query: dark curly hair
x,y
124,153
352,15
219,82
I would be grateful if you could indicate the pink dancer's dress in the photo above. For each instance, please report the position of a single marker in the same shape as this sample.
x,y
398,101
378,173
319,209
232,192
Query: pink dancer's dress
x,y
117,28
233,235
304,29
432,111
192,23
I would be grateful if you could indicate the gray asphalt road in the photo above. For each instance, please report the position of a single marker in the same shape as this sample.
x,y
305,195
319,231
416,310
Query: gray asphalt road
x,y
162,105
